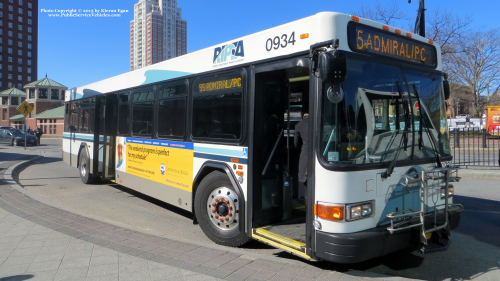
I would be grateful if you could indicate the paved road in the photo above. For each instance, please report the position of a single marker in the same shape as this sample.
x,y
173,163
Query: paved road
x,y
474,253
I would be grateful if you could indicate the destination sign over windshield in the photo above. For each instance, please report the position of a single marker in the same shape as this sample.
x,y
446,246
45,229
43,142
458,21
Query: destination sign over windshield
x,y
365,39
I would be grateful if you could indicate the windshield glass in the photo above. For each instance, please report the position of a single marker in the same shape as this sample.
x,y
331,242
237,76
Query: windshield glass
x,y
378,117
16,132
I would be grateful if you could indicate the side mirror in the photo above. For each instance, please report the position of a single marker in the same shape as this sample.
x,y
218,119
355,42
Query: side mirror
x,y
332,67
9,134
446,87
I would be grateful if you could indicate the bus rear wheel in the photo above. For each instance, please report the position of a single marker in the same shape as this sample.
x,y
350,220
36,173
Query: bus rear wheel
x,y
84,168
217,210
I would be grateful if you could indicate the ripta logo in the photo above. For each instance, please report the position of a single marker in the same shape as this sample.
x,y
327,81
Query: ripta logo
x,y
229,52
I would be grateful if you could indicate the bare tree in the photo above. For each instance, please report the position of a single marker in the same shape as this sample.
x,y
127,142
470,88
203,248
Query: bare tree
x,y
387,14
478,66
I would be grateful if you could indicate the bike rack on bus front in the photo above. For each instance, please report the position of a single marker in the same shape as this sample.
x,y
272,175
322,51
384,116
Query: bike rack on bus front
x,y
431,181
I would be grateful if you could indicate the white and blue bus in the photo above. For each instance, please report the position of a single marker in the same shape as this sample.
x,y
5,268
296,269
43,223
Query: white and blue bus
x,y
212,132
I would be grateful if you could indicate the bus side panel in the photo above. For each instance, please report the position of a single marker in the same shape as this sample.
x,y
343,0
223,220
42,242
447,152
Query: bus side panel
x,y
71,147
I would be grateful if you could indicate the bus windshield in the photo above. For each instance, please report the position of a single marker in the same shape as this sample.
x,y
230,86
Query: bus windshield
x,y
385,112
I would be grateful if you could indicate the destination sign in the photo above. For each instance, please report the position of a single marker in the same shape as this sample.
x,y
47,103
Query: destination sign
x,y
370,40
215,85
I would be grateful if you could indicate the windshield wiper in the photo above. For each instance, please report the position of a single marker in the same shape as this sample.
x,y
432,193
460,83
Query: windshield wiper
x,y
404,138
426,121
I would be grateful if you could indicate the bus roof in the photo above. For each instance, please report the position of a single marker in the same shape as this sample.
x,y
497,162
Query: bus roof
x,y
283,40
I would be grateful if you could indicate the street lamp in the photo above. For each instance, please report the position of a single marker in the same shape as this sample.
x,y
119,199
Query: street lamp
x,y
420,22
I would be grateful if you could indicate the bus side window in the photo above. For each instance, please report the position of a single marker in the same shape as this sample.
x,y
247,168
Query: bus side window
x,y
123,113
172,106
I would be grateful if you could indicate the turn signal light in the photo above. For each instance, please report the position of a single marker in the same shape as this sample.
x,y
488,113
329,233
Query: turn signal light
x,y
239,173
335,213
304,36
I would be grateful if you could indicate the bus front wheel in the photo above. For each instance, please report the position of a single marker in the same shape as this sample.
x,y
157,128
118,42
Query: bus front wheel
x,y
217,210
84,168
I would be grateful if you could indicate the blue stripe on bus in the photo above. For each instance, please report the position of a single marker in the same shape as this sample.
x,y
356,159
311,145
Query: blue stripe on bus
x,y
229,152
220,158
81,137
172,144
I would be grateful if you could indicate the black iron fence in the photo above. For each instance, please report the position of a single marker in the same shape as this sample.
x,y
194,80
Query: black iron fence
x,y
475,147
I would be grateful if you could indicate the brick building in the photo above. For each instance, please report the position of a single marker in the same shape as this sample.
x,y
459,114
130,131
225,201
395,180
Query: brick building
x,y
47,98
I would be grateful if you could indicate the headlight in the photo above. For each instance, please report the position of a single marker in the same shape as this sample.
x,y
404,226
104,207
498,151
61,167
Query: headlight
x,y
451,191
358,211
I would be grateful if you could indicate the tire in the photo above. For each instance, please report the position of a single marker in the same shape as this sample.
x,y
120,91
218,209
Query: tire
x,y
84,168
217,201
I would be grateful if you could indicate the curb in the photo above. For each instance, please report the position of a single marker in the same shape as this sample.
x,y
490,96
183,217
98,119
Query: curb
x,y
12,170
8,176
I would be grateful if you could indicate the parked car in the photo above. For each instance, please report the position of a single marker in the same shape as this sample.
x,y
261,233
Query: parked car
x,y
16,137
6,127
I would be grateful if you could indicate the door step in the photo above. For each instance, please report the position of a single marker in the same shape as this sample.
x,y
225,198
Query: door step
x,y
281,242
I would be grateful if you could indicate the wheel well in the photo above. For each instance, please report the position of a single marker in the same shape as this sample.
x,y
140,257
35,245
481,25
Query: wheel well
x,y
82,147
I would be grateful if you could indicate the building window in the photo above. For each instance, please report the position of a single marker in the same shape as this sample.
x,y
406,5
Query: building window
x,y
19,77
14,101
20,44
20,52
19,69
5,100
20,35
11,8
20,2
29,37
10,42
29,46
1,5
11,25
54,94
29,5
4,114
31,93
20,61
29,79
29,62
20,27
29,29
11,34
10,67
29,13
63,93
1,32
29,54
29,21
19,86
9,76
20,19
42,93
20,10
11,17
29,69
10,50
9,85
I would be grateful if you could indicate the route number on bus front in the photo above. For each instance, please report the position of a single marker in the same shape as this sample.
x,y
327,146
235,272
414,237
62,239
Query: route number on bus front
x,y
280,42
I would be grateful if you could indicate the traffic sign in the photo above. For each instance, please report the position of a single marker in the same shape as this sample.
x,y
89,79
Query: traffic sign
x,y
25,108
417,106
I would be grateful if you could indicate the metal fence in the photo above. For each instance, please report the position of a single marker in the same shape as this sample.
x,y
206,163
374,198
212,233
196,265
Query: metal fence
x,y
475,147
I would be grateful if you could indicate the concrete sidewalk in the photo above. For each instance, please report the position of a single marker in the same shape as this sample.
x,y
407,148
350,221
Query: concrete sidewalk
x,y
42,242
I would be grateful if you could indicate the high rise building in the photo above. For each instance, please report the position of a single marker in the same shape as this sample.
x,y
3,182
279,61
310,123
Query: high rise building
x,y
157,33
18,43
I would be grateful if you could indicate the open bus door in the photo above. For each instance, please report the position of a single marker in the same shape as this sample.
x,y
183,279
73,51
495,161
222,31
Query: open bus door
x,y
104,136
279,217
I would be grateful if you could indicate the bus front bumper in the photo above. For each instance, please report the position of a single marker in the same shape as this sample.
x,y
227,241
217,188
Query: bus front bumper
x,y
376,242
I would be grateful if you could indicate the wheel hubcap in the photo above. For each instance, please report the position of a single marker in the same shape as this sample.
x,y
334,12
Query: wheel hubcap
x,y
222,208
84,170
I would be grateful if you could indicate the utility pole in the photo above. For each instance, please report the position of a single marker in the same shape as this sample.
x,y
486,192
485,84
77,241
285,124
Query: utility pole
x,y
420,22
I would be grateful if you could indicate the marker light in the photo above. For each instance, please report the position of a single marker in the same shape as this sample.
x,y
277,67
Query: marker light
x,y
385,27
355,18
451,191
358,211
431,41
304,36
398,31
408,34
334,213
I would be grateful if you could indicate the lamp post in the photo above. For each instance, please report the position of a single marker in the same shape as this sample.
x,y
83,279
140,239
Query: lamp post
x,y
420,22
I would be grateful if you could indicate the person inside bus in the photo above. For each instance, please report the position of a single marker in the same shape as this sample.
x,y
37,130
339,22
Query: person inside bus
x,y
301,130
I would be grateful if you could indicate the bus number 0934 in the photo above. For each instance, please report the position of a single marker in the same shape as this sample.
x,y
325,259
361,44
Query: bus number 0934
x,y
277,42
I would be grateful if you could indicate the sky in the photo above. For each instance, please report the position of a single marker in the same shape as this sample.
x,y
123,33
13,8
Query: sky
x,y
76,51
